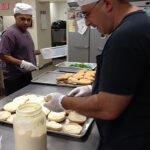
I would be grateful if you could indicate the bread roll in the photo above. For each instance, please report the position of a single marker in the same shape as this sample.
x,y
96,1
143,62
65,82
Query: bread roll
x,y
52,125
83,71
57,116
38,99
11,107
76,117
4,115
67,111
78,76
85,81
45,110
91,73
73,80
64,77
20,99
31,97
72,128
89,77
10,119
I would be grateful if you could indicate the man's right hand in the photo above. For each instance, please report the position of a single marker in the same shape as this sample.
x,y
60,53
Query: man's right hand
x,y
28,66
81,91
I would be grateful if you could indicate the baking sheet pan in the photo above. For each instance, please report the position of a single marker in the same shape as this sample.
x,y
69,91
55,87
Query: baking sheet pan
x,y
85,125
50,78
65,66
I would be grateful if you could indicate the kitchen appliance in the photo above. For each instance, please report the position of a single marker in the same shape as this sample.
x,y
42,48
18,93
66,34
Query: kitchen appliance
x,y
82,48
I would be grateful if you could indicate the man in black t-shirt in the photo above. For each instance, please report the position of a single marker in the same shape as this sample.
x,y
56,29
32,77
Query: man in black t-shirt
x,y
120,101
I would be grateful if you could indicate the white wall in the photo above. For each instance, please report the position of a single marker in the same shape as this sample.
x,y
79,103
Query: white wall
x,y
62,13
9,11
58,11
8,21
53,10
43,36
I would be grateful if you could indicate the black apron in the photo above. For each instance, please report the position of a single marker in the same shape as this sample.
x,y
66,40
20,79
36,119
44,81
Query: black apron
x,y
95,90
96,85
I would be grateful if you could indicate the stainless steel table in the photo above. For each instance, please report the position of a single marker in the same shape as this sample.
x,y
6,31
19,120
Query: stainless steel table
x,y
54,142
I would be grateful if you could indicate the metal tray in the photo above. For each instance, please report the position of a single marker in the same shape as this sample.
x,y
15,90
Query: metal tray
x,y
50,78
65,66
85,125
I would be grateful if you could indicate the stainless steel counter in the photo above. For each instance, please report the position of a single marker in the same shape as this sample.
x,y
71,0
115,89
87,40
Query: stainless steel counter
x,y
54,141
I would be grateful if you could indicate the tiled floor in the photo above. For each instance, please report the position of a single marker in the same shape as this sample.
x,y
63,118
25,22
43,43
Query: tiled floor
x,y
47,67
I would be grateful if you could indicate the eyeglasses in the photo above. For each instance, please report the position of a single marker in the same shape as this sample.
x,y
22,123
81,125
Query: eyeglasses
x,y
87,14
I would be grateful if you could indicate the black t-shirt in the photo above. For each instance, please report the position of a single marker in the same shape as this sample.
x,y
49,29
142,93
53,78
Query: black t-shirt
x,y
125,69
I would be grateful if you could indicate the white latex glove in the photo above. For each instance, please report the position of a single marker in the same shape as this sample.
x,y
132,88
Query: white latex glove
x,y
81,91
28,66
55,102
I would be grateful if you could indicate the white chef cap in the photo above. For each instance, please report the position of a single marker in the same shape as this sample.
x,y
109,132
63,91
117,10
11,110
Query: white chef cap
x,y
22,8
85,2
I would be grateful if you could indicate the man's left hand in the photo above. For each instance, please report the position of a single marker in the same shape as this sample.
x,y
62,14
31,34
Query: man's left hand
x,y
55,102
